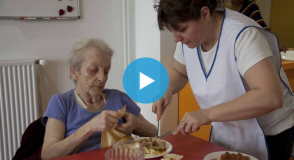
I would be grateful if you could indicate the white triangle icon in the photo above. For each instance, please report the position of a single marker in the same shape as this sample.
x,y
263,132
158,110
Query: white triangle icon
x,y
145,80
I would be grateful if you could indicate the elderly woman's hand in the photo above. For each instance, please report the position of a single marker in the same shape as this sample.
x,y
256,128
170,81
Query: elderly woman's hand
x,y
132,122
104,121
192,121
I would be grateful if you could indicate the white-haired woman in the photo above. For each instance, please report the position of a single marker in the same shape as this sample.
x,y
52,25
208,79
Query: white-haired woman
x,y
75,120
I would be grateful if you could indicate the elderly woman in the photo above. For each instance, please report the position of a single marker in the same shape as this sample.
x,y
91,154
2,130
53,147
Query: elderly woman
x,y
234,69
75,120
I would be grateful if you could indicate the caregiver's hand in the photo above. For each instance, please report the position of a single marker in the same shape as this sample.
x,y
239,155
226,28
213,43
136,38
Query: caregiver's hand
x,y
160,105
192,121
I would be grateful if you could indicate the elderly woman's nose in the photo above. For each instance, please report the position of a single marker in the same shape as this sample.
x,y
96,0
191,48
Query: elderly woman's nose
x,y
101,77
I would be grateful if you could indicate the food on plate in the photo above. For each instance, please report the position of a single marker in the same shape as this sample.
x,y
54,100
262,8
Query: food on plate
x,y
172,156
135,145
153,146
128,141
126,137
233,156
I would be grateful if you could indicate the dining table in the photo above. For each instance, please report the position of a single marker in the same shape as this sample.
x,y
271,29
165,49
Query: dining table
x,y
189,146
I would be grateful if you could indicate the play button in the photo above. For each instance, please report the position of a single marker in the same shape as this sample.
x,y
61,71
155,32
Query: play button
x,y
145,80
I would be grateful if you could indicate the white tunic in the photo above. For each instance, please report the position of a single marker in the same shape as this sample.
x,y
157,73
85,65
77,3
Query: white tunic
x,y
223,82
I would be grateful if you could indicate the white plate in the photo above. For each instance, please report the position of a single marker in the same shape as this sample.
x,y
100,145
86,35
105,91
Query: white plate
x,y
217,155
169,148
289,55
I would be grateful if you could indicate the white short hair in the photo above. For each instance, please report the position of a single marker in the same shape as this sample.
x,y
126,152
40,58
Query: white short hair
x,y
76,55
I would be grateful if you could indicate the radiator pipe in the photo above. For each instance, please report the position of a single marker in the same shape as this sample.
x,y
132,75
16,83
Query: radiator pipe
x,y
41,62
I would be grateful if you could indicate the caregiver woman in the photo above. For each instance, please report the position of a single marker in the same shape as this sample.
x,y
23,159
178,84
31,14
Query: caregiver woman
x,y
235,73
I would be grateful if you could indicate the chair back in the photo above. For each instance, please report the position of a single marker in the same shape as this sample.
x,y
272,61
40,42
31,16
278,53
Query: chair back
x,y
31,142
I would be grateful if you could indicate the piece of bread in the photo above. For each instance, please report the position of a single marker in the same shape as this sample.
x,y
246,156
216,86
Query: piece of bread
x,y
165,158
173,156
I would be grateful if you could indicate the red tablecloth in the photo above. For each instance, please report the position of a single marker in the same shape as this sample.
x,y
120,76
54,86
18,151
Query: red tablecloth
x,y
189,146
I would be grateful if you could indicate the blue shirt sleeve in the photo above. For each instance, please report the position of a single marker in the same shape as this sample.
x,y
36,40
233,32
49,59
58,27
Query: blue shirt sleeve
x,y
56,109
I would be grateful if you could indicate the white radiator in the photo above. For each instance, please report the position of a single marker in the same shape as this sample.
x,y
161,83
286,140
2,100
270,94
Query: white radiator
x,y
19,104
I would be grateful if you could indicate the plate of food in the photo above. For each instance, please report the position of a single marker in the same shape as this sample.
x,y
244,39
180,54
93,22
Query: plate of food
x,y
228,155
289,55
154,147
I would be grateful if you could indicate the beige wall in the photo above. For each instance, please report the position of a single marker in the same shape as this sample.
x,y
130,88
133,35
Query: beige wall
x,y
169,121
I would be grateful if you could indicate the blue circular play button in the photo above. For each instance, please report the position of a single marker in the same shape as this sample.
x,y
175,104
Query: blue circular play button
x,y
145,80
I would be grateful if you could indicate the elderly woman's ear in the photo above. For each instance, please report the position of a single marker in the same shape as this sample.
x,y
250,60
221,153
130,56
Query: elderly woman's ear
x,y
73,74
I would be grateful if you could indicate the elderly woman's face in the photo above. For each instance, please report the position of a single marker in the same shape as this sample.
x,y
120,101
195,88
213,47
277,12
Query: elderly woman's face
x,y
94,71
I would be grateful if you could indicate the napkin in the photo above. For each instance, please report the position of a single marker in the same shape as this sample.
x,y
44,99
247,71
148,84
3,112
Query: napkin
x,y
112,136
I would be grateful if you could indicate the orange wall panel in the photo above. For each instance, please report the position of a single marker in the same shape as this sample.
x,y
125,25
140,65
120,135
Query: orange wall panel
x,y
188,103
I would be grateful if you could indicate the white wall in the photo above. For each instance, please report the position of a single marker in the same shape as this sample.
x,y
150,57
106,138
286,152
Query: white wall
x,y
129,26
147,42
151,42
51,40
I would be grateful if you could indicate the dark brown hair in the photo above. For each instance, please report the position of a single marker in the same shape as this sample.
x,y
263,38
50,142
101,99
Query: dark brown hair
x,y
237,1
181,15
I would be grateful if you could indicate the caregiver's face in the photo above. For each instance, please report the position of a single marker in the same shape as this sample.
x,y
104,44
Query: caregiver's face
x,y
190,33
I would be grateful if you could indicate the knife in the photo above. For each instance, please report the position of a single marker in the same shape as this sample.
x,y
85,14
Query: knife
x,y
157,128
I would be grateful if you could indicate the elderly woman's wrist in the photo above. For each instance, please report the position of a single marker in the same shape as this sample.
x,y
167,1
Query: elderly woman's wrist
x,y
139,124
89,128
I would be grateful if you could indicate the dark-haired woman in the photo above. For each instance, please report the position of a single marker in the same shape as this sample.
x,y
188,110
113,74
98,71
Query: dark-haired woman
x,y
235,73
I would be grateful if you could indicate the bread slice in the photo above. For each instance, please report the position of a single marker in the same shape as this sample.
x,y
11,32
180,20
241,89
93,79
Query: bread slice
x,y
165,159
173,156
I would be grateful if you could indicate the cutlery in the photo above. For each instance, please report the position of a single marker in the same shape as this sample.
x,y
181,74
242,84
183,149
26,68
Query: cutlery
x,y
157,128
167,133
